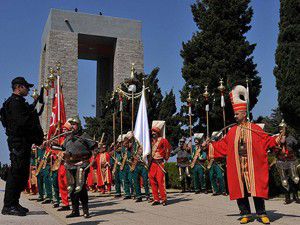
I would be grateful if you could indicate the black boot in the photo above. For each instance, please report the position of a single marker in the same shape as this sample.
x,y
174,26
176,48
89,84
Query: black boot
x,y
139,199
296,197
287,199
182,186
85,209
13,210
74,213
23,208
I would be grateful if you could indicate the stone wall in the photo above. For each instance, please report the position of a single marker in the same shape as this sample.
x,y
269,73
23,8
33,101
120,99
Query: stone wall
x,y
62,47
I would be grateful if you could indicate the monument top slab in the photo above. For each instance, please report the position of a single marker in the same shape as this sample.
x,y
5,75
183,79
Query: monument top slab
x,y
98,25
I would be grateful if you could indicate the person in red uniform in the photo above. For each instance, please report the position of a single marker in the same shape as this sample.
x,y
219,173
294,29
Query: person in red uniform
x,y
62,178
92,179
160,153
245,147
103,170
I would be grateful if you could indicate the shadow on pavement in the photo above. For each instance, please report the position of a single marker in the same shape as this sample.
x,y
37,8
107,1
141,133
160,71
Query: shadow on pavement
x,y
88,222
273,215
101,204
109,211
31,213
176,200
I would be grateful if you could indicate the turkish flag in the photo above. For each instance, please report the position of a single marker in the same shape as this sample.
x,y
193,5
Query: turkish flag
x,y
58,117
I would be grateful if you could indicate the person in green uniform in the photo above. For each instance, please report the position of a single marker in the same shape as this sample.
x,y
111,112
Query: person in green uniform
x,y
115,165
54,181
216,174
139,170
198,158
46,173
125,168
40,177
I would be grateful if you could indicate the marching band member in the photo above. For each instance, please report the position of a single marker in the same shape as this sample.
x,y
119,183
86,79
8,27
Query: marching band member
x,y
245,146
160,154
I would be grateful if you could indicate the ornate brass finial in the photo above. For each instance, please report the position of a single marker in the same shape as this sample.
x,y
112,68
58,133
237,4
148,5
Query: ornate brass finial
x,y
206,93
282,124
189,99
47,85
51,75
58,68
221,87
132,71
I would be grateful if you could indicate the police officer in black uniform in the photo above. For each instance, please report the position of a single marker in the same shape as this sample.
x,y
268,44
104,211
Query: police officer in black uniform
x,y
22,129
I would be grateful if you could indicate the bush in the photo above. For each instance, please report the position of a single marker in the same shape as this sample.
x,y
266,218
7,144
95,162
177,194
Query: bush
x,y
275,188
172,176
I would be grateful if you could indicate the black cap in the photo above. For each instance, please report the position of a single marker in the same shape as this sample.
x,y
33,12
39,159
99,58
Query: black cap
x,y
21,81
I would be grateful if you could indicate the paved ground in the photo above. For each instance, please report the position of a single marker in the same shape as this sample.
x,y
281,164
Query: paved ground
x,y
37,214
184,209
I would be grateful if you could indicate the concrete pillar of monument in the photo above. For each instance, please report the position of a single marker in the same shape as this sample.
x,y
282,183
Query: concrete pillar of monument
x,y
62,47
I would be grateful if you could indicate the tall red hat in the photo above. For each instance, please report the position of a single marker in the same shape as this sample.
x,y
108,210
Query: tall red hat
x,y
239,98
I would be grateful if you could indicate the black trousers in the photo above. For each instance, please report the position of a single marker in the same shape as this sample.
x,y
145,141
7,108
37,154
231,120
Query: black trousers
x,y
82,195
186,181
18,174
244,205
293,189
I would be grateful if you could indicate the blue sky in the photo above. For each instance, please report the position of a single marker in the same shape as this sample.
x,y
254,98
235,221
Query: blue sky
x,y
165,25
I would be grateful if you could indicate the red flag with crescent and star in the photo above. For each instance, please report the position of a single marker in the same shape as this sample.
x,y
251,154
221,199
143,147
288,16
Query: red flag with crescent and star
x,y
58,116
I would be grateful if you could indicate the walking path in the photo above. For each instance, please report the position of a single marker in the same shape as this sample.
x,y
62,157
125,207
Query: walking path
x,y
182,209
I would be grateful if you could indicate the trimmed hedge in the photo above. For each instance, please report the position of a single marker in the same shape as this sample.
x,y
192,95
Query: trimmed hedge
x,y
275,188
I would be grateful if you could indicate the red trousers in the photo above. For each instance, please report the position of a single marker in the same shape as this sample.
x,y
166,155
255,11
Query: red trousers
x,y
62,184
157,182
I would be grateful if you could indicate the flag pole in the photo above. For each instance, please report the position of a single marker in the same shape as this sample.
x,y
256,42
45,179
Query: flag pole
x,y
222,88
189,103
58,68
121,116
206,96
248,100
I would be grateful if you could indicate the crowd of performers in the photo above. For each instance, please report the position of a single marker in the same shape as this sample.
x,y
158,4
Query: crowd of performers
x,y
77,163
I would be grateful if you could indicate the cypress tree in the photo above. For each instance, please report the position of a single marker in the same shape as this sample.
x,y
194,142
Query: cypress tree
x,y
287,69
168,113
219,49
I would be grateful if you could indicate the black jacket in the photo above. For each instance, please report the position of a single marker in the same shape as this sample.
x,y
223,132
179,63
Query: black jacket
x,y
22,120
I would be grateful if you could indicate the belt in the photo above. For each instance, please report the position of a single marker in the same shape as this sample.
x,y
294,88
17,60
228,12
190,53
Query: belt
x,y
158,161
78,158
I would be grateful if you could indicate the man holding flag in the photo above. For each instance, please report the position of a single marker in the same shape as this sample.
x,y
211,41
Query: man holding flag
x,y
143,149
58,119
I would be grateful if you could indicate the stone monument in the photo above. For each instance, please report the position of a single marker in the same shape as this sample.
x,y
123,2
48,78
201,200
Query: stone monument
x,y
115,43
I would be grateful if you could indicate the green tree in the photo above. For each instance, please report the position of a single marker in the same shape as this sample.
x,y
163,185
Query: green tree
x,y
95,126
168,113
219,49
272,123
287,69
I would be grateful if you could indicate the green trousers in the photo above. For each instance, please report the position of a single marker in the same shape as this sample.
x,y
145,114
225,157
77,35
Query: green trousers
x,y
140,171
199,177
47,182
118,180
127,181
217,178
54,179
40,181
